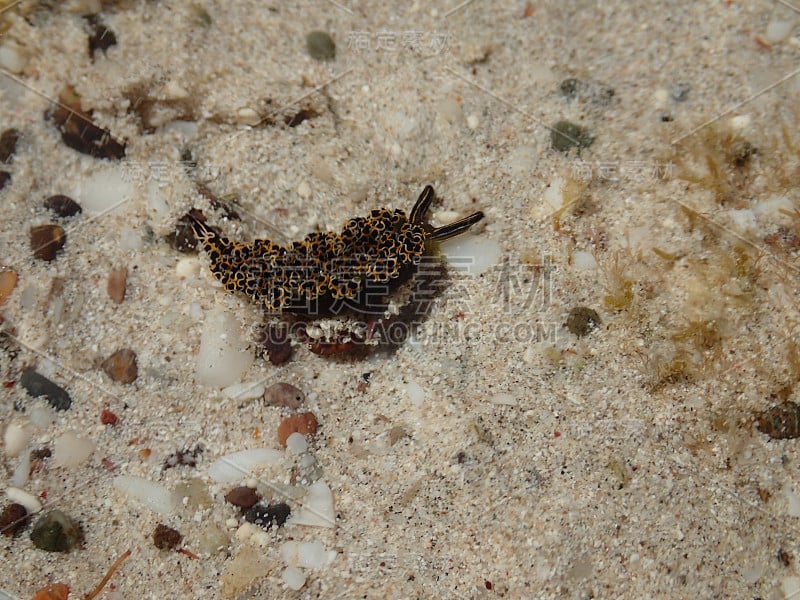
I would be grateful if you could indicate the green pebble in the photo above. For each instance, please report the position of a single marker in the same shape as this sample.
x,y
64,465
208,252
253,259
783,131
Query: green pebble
x,y
566,135
582,320
320,45
55,531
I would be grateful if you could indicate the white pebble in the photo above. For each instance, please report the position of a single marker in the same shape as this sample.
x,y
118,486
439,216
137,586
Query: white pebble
x,y
16,438
308,555
311,555
304,190
12,57
777,31
415,393
223,357
22,471
296,443
293,578
29,501
69,450
247,116
236,466
153,495
472,122
247,390
108,191
317,509
471,254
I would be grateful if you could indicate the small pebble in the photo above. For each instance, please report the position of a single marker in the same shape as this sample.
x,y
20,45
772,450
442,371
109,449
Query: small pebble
x,y
581,320
63,206
318,509
320,45
70,451
293,578
13,519
274,342
15,439
166,538
213,539
121,366
153,495
8,144
101,37
680,91
780,422
55,531
109,418
8,281
415,393
267,516
29,501
566,135
284,395
304,423
223,356
242,496
296,444
117,280
47,241
38,385
232,467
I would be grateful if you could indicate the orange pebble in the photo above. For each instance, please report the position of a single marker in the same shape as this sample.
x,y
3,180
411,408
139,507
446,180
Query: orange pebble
x,y
56,591
305,423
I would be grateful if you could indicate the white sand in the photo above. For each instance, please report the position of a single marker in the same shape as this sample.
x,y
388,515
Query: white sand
x,y
535,467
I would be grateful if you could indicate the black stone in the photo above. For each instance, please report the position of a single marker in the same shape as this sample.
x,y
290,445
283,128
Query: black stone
x,y
38,385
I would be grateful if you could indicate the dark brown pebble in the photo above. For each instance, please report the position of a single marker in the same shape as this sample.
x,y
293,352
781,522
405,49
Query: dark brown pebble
x,y
304,423
581,320
182,238
101,38
242,496
8,144
47,241
79,132
267,516
63,206
780,422
5,177
117,282
38,385
166,538
274,344
285,395
13,519
121,366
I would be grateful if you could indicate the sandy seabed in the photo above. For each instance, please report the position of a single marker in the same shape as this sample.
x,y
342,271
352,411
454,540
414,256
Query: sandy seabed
x,y
497,453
